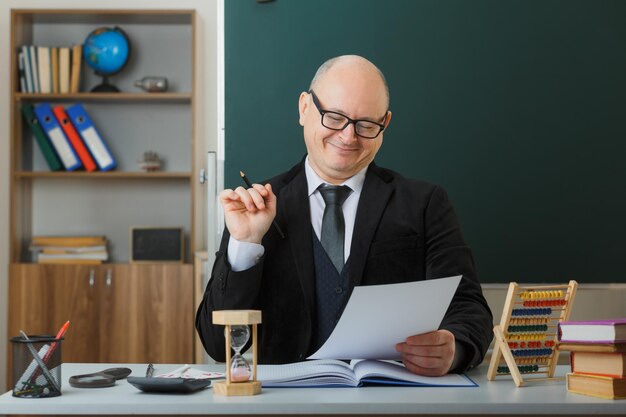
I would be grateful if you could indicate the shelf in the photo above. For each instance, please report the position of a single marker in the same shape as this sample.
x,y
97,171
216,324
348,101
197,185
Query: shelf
x,y
108,174
107,97
120,16
131,122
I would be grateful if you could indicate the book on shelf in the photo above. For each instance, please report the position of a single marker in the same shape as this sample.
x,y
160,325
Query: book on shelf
x,y
64,70
597,385
54,69
599,331
68,241
92,138
100,256
71,261
57,137
43,62
21,73
69,249
25,53
336,373
600,363
74,138
77,56
34,68
52,159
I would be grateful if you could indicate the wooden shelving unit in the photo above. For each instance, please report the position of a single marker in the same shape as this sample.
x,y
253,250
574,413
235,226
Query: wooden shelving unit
x,y
109,203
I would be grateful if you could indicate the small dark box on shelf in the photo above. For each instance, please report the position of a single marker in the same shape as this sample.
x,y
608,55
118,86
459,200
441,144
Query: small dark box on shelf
x,y
156,244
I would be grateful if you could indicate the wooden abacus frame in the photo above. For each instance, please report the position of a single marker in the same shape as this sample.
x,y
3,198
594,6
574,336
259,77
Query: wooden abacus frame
x,y
546,305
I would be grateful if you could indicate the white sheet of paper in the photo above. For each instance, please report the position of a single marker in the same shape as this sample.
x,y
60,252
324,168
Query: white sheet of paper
x,y
379,316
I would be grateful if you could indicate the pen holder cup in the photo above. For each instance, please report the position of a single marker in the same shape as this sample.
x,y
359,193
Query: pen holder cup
x,y
40,376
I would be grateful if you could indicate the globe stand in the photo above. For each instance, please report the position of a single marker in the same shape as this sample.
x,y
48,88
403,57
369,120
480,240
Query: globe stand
x,y
105,86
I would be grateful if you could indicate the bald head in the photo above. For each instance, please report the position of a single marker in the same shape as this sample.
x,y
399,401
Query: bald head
x,y
353,64
352,89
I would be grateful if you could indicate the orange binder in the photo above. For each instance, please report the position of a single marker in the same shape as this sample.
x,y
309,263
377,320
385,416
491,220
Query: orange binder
x,y
74,138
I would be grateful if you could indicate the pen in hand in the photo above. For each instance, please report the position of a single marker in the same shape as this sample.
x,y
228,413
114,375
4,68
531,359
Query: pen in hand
x,y
249,184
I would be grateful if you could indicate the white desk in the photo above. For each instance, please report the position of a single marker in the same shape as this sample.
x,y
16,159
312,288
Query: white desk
x,y
492,398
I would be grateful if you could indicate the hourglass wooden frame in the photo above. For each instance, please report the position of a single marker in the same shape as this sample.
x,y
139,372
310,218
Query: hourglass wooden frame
x,y
230,318
523,347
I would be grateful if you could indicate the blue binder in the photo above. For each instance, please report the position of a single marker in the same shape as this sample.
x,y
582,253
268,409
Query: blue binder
x,y
57,137
83,124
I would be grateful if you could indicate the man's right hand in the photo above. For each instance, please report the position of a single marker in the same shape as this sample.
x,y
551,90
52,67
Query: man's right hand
x,y
249,212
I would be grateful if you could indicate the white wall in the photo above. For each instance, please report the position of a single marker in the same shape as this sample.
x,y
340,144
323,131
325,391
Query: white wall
x,y
206,107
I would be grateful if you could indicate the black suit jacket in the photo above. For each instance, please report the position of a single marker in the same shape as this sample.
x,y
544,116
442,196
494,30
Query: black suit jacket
x,y
405,230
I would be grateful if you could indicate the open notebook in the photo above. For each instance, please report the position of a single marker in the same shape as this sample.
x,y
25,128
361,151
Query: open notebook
x,y
334,373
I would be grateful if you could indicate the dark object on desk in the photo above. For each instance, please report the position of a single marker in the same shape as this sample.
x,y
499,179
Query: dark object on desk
x,y
36,366
100,379
173,385
160,244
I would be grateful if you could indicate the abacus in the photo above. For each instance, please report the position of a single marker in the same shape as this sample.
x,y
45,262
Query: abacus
x,y
527,334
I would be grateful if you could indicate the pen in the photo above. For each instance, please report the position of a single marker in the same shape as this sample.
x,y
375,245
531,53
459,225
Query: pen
x,y
50,351
44,369
149,371
249,184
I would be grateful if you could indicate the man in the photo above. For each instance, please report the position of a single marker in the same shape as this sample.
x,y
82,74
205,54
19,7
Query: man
x,y
384,229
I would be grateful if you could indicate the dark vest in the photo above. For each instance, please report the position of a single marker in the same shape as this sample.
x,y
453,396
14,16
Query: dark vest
x,y
331,294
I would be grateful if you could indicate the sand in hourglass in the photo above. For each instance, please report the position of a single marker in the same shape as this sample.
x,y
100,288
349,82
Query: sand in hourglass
x,y
240,368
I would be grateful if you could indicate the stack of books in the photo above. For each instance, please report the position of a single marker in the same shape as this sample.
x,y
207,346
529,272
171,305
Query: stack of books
x,y
598,357
69,249
45,69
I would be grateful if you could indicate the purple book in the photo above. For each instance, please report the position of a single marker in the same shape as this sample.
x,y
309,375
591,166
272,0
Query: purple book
x,y
598,331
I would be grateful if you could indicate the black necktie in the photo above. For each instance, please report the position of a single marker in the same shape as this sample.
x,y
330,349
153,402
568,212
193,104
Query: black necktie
x,y
333,225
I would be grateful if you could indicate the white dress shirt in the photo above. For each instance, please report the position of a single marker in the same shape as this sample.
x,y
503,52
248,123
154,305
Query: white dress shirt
x,y
244,255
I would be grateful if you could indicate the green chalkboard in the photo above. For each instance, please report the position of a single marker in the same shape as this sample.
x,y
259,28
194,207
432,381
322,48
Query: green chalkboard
x,y
517,108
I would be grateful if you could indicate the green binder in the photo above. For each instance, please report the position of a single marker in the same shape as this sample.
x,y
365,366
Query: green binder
x,y
44,144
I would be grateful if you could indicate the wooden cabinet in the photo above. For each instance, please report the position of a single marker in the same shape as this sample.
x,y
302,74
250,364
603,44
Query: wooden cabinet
x,y
147,314
43,297
120,312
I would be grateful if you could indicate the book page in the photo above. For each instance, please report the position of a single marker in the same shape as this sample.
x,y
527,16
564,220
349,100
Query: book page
x,y
379,316
308,373
372,371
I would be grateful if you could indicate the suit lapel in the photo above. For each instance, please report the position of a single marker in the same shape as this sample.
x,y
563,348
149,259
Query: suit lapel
x,y
374,197
294,203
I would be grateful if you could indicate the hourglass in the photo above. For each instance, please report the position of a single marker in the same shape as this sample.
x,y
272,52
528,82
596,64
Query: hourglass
x,y
239,368
236,335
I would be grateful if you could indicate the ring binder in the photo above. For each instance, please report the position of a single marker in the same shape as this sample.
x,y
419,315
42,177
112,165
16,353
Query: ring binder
x,y
55,133
82,122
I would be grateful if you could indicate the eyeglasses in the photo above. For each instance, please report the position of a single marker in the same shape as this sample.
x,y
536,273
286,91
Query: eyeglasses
x,y
337,121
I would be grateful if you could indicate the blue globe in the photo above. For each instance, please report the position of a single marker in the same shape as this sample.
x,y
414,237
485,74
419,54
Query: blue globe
x,y
106,50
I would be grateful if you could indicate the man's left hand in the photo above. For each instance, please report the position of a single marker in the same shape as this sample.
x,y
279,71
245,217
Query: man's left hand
x,y
428,354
